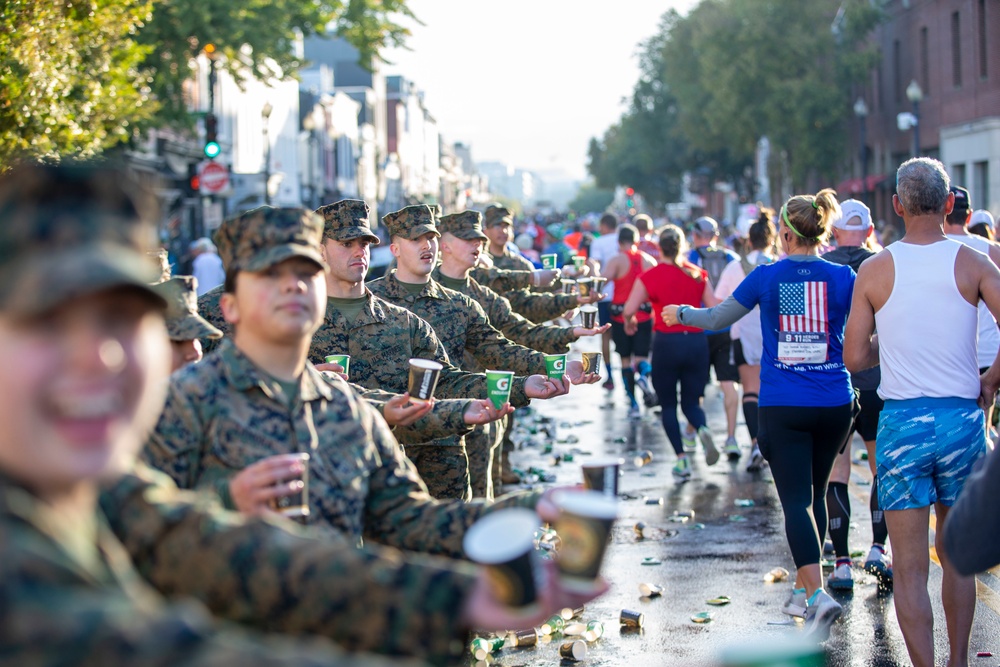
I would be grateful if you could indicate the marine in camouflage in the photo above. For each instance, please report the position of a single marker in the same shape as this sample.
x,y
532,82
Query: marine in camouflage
x,y
183,320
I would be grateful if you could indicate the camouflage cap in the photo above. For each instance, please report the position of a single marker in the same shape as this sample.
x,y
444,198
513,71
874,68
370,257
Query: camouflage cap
x,y
347,220
183,320
265,236
70,230
497,214
411,222
466,225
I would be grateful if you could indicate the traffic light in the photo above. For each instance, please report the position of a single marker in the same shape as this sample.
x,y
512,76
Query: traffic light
x,y
212,148
629,201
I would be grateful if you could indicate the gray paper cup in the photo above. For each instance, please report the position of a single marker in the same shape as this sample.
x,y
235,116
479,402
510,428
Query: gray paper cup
x,y
296,504
591,362
584,285
588,316
568,286
584,526
424,375
504,543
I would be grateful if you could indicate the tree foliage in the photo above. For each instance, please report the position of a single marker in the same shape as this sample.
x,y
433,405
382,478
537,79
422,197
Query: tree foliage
x,y
731,71
590,198
79,76
71,80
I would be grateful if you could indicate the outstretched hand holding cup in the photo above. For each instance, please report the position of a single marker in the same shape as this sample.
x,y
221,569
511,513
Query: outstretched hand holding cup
x,y
424,374
584,526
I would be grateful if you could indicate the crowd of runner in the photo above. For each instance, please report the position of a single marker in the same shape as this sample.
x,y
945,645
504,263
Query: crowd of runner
x,y
126,481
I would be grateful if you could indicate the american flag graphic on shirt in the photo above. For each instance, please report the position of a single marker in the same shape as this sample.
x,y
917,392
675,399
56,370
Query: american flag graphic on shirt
x,y
802,307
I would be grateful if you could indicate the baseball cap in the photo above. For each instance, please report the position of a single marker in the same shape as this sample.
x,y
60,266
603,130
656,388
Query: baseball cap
x,y
497,214
555,230
183,320
855,216
265,236
706,225
411,222
961,198
466,225
981,215
70,230
347,220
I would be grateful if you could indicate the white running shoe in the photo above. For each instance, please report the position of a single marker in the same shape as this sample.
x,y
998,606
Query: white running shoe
x,y
711,451
822,611
795,605
841,579
756,460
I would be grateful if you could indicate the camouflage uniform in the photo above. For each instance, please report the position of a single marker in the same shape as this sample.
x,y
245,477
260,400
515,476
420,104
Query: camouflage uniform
x,y
360,598
460,323
183,320
380,340
70,593
445,420
224,414
484,443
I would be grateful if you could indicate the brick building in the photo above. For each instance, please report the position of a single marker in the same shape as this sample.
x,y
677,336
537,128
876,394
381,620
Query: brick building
x,y
951,50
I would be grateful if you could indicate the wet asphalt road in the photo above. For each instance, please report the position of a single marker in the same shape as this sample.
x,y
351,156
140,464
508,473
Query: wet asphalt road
x,y
727,556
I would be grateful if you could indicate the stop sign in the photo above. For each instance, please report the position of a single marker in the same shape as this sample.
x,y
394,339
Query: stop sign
x,y
214,178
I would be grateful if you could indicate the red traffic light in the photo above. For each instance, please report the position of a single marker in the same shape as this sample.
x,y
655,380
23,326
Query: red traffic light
x,y
196,183
629,191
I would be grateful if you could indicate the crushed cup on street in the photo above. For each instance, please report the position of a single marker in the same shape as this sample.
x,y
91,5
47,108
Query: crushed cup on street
x,y
555,624
574,651
702,617
584,286
555,366
584,525
595,630
651,560
481,647
568,286
639,528
503,542
550,261
631,619
650,590
591,362
602,475
296,504
498,387
575,629
791,652
344,360
744,502
569,613
525,638
424,374
588,316
775,575
643,458
720,601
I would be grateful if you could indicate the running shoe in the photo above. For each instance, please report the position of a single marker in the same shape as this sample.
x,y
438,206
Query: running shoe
x,y
756,460
682,469
642,382
733,449
842,578
634,412
650,400
711,451
822,611
689,440
609,384
795,605
879,565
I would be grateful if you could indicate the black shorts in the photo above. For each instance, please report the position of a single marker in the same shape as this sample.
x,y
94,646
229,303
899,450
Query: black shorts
x,y
632,346
738,357
721,358
603,312
866,423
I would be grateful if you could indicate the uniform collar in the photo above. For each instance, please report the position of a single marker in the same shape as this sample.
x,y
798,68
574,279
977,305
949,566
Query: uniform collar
x,y
395,290
244,375
373,312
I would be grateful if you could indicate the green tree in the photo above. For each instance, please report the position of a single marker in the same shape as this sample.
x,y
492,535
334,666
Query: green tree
x,y
590,198
79,76
70,76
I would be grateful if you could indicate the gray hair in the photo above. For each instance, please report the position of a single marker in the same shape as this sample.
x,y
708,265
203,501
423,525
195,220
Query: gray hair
x,y
922,186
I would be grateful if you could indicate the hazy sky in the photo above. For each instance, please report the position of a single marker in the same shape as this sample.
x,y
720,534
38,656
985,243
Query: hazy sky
x,y
528,82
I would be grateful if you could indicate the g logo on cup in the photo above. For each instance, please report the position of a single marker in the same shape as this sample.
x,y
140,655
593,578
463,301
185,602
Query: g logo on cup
x,y
560,364
503,384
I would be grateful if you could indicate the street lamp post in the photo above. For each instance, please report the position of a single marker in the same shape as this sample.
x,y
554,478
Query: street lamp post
x,y
861,111
265,115
915,95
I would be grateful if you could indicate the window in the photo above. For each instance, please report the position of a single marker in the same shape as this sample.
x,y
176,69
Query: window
x,y
924,62
958,174
980,184
956,51
982,39
897,79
